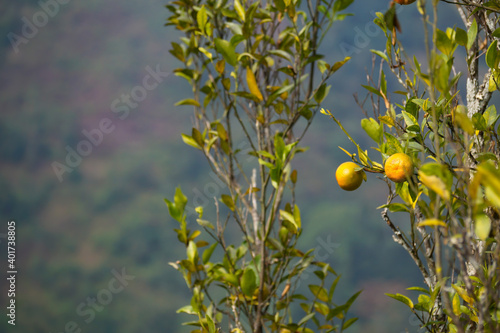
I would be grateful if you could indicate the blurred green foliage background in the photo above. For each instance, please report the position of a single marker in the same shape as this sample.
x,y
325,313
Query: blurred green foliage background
x,y
108,214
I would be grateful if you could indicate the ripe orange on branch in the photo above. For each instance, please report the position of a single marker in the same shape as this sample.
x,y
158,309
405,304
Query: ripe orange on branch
x,y
349,176
398,167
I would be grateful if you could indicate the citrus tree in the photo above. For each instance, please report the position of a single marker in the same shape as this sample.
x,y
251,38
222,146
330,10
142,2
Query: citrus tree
x,y
436,144
257,79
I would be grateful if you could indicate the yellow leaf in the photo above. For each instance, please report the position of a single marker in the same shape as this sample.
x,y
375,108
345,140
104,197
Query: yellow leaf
x,y
492,196
436,184
490,179
416,199
456,305
378,165
432,223
325,112
387,120
482,226
239,9
348,153
460,118
205,52
252,84
221,64
463,293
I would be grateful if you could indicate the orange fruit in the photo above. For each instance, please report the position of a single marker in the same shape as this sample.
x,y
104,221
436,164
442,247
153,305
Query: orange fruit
x,y
348,177
398,167
405,2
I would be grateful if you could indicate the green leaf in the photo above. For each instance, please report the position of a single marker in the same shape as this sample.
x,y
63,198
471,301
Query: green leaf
x,y
226,83
348,323
336,66
423,103
410,120
207,254
267,164
393,144
279,147
192,252
496,33
196,135
246,95
278,92
173,210
461,37
321,308
491,115
402,299
180,200
373,129
471,34
274,244
210,322
296,215
187,101
443,43
340,5
190,141
395,207
494,83
202,18
205,224
424,301
352,299
248,281
187,309
389,18
336,311
333,287
493,56
228,201
372,90
177,51
381,54
221,131
305,319
322,92
230,278
479,122
423,290
286,216
319,292
283,54
227,51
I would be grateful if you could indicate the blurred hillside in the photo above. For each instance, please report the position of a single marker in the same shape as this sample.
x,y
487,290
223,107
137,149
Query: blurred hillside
x,y
102,216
